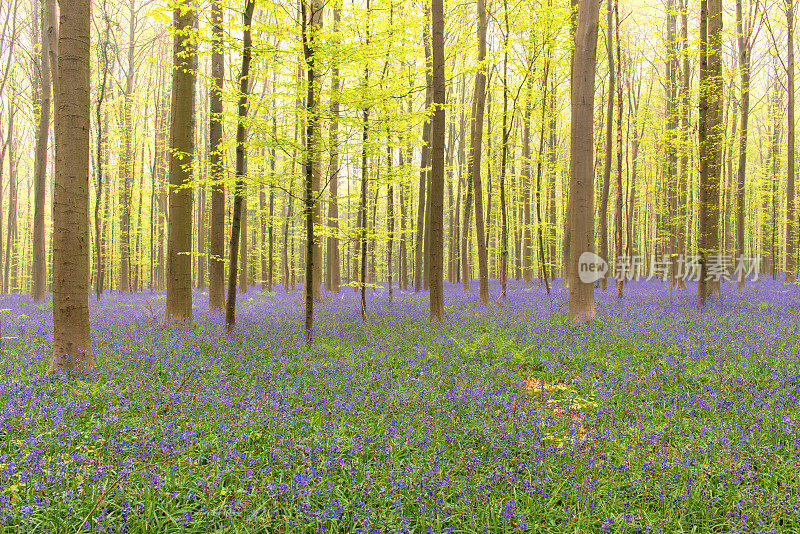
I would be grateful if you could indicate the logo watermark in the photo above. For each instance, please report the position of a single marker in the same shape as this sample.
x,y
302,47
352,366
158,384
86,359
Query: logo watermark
x,y
592,267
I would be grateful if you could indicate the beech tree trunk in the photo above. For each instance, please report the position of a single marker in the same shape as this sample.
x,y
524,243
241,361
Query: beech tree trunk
x,y
334,267
475,153
581,295
216,242
603,215
791,225
241,166
179,245
710,135
72,347
424,162
40,163
243,231
744,34
618,203
437,159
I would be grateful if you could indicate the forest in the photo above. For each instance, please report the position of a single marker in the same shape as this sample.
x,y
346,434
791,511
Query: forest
x,y
410,266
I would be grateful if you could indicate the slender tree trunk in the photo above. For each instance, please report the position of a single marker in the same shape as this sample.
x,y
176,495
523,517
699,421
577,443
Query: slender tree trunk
x,y
38,282
424,162
542,129
603,215
437,160
618,204
581,294
743,38
243,232
683,177
312,22
504,162
216,243
551,170
403,228
241,166
333,210
475,153
671,142
10,278
179,245
72,347
791,226
389,213
527,264
272,163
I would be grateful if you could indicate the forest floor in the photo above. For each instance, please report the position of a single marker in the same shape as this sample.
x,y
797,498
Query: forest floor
x,y
655,418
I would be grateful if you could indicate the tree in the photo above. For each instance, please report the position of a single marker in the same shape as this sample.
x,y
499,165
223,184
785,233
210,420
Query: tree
x,y
791,225
40,164
745,37
72,347
475,152
710,136
216,242
603,215
437,159
311,24
581,294
618,203
179,242
241,165
334,270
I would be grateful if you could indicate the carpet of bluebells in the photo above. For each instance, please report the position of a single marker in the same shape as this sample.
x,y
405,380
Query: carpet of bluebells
x,y
655,418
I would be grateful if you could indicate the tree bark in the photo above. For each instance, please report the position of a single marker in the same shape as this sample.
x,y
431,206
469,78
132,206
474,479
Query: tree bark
x,y
791,225
581,295
72,347
241,166
475,153
618,204
179,243
40,163
437,159
743,37
603,215
424,162
216,242
710,135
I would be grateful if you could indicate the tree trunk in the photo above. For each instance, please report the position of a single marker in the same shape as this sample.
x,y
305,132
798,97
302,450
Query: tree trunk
x,y
72,347
389,213
618,204
333,209
243,231
671,141
241,167
527,264
424,162
791,226
437,161
685,149
179,245
504,162
10,278
312,22
216,243
581,294
38,281
743,38
603,215
475,153
710,135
